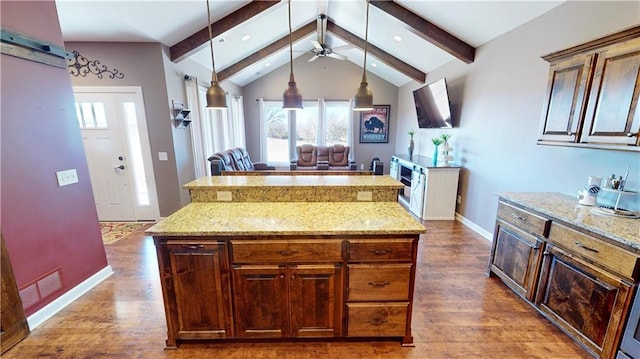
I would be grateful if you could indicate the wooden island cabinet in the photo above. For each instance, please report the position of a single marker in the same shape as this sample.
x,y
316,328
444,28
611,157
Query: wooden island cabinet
x,y
247,270
577,268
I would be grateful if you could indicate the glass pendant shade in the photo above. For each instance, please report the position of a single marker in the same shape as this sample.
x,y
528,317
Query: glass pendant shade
x,y
216,97
292,98
363,100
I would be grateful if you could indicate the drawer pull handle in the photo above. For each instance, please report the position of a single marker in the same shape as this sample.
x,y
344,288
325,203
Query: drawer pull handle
x,y
287,253
192,246
515,215
379,284
377,321
585,247
380,252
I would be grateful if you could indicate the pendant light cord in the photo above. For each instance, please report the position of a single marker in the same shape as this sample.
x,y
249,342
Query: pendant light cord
x,y
366,37
290,39
213,63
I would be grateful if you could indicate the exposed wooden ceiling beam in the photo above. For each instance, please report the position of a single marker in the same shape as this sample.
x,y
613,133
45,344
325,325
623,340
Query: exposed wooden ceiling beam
x,y
428,31
195,42
270,49
380,54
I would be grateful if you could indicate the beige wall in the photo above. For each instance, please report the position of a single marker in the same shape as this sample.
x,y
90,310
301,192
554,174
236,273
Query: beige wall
x,y
324,78
498,100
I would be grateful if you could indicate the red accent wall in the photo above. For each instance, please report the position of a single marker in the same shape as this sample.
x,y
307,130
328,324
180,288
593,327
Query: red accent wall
x,y
46,227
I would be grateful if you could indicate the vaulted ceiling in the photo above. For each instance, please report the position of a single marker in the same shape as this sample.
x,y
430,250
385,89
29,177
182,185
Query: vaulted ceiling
x,y
406,39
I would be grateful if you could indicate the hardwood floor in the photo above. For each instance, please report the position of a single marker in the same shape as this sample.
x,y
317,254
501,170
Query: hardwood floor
x,y
458,313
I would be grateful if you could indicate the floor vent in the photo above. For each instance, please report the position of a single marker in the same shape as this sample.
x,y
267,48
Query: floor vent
x,y
41,288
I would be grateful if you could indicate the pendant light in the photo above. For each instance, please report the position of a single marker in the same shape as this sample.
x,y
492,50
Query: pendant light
x,y
291,99
216,97
363,100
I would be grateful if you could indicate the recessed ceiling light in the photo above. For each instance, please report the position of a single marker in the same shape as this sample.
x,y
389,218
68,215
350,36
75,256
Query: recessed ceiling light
x,y
267,64
373,64
246,37
397,38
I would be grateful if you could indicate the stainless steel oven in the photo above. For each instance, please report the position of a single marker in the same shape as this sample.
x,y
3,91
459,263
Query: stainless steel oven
x,y
630,345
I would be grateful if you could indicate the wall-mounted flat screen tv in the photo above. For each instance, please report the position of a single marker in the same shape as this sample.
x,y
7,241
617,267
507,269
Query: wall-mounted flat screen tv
x,y
432,105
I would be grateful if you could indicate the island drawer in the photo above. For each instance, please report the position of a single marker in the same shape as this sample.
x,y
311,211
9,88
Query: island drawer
x,y
379,282
281,251
377,319
523,219
597,251
381,249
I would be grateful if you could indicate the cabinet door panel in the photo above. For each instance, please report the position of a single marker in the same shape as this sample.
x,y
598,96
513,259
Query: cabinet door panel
x,y
261,301
612,114
516,259
588,303
565,103
201,283
316,300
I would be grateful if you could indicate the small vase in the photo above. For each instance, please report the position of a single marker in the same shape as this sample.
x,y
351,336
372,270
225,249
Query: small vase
x,y
435,155
411,147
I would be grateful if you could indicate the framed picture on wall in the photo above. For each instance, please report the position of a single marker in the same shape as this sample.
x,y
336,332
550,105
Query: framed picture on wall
x,y
374,124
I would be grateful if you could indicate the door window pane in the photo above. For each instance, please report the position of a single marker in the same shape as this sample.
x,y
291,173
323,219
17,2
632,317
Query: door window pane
x,y
135,162
91,115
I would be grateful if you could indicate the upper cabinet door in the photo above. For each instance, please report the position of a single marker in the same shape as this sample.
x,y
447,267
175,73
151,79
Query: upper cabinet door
x,y
612,115
564,105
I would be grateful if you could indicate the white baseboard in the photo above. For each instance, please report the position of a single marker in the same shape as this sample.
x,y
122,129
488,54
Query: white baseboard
x,y
67,298
474,227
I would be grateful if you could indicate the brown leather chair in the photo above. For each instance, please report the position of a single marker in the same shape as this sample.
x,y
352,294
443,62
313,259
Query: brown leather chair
x,y
236,159
338,156
307,155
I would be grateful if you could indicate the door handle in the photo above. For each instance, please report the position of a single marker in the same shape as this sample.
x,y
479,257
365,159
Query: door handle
x,y
121,167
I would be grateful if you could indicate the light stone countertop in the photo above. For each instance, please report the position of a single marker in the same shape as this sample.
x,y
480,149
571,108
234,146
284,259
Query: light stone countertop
x,y
566,208
229,182
282,218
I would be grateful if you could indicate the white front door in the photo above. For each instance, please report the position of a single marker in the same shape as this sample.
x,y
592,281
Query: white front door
x,y
115,139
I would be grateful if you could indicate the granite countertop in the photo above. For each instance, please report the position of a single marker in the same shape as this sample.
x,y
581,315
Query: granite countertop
x,y
565,208
282,218
229,182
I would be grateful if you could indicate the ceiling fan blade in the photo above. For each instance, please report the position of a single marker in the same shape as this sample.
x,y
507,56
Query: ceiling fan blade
x,y
314,58
316,45
337,56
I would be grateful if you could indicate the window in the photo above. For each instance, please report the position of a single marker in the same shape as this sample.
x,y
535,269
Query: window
x,y
91,115
319,123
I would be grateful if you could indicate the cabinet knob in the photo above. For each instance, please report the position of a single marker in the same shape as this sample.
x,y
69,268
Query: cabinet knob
x,y
632,134
515,215
281,276
293,276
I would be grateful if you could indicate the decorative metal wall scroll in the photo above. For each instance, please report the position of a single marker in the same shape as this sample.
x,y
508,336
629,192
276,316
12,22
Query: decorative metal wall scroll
x,y
81,66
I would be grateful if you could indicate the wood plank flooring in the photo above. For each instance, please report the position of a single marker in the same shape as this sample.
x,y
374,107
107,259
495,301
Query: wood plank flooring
x,y
458,313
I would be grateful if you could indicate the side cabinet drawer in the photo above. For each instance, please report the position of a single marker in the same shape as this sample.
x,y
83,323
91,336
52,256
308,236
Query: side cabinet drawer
x,y
266,251
595,250
377,319
381,250
523,219
379,282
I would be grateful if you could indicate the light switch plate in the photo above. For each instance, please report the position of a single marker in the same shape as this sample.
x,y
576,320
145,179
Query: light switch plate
x,y
67,177
365,195
224,196
162,156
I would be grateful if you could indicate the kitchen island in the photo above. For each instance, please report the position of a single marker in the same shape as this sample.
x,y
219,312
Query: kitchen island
x,y
245,270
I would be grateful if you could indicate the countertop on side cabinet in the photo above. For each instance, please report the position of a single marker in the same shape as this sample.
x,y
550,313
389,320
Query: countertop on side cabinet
x,y
282,218
230,182
565,208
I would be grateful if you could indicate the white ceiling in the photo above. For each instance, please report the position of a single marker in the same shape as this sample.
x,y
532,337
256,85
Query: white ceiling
x,y
170,21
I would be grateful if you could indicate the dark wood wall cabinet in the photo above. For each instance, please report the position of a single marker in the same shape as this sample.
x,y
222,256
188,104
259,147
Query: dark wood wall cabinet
x,y
592,94
579,280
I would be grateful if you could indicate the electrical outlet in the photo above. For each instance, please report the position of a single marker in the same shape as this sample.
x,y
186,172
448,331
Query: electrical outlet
x,y
224,196
67,177
459,199
365,196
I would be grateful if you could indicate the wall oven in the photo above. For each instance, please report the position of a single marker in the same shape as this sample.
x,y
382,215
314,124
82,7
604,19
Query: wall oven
x,y
630,345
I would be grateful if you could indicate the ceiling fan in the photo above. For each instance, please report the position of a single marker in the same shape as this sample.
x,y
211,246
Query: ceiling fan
x,y
320,48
